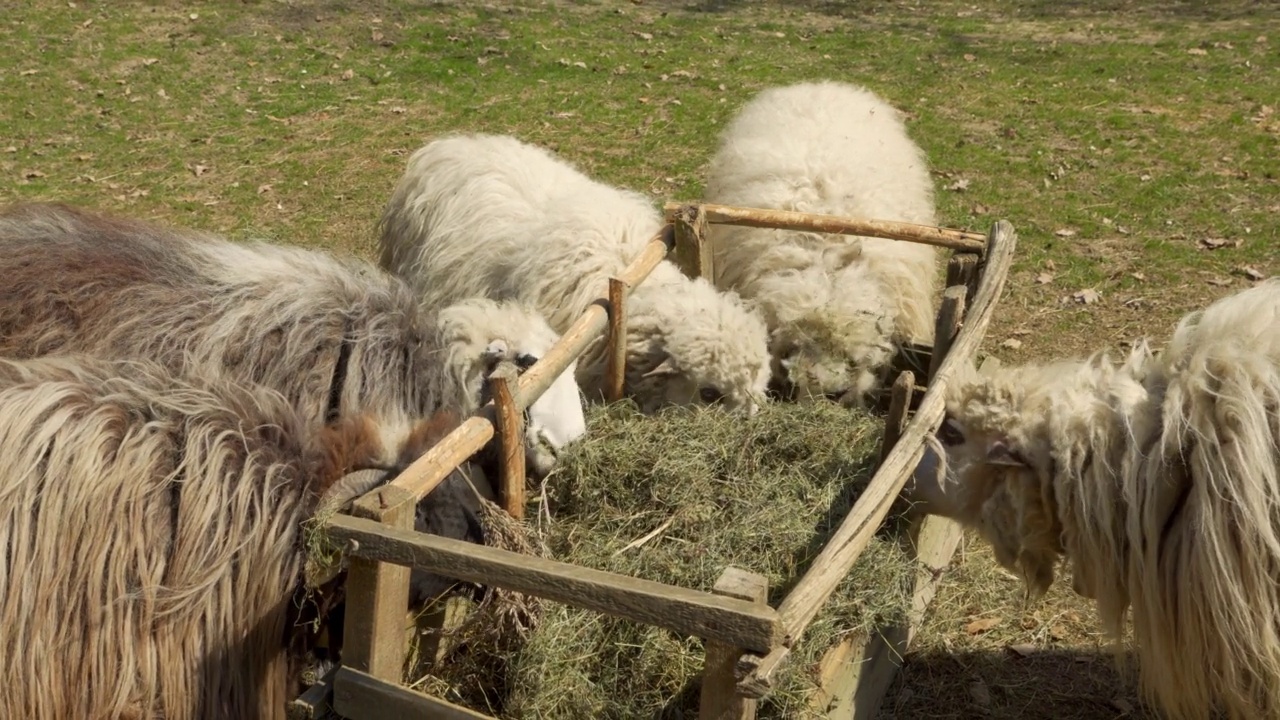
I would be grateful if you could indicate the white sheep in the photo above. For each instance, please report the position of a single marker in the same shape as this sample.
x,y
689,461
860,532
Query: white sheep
x,y
488,215
837,307
1158,479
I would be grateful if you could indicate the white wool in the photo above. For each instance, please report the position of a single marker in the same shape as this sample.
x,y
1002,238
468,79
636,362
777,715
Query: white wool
x,y
837,307
1159,480
490,216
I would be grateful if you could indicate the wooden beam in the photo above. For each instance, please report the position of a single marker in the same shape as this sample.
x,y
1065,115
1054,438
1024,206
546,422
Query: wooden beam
x,y
950,320
360,696
962,269
314,702
693,252
511,469
859,526
615,358
729,620
428,471
720,699
378,593
899,403
813,222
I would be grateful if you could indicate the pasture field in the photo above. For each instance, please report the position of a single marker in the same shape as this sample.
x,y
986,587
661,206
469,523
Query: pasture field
x,y
1134,144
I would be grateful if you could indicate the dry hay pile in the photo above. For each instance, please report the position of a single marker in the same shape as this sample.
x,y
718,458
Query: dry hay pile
x,y
763,494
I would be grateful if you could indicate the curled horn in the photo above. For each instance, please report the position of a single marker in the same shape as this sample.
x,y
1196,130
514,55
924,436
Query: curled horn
x,y
348,488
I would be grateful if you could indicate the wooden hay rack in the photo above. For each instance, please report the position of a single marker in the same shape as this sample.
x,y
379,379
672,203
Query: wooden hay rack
x,y
747,641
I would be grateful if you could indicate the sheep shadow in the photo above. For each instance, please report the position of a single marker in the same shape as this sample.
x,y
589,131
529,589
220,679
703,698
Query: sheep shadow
x,y
1062,684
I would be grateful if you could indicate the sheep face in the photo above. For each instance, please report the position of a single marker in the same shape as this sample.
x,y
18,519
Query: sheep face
x,y
709,349
483,333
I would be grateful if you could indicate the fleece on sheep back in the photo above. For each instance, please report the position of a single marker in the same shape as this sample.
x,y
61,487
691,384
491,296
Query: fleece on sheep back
x,y
151,543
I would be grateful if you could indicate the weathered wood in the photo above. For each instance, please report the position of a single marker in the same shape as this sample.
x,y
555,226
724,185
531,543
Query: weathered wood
x,y
359,696
720,699
950,320
859,526
378,593
314,702
428,471
693,252
732,621
962,269
856,674
899,402
615,357
511,469
813,222
439,626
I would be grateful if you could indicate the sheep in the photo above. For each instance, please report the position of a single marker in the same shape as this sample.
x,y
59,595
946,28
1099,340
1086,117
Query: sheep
x,y
152,528
488,215
336,337
837,308
1157,478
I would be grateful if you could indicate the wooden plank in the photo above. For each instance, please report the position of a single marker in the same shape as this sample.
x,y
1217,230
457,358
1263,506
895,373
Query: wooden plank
x,y
950,320
511,455
856,674
899,402
438,627
859,526
314,703
720,699
615,358
360,696
729,620
692,251
813,222
378,593
962,269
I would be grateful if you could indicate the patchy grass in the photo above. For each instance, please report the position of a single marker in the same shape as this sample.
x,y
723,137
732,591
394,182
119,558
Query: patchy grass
x,y
1119,136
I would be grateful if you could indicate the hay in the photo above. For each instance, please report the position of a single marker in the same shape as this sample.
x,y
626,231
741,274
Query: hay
x,y
677,498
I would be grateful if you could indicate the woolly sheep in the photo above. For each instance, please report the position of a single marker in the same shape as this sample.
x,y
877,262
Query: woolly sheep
x,y
152,535
1158,480
488,215
336,337
837,307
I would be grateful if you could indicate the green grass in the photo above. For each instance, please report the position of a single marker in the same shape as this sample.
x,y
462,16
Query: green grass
x,y
1142,127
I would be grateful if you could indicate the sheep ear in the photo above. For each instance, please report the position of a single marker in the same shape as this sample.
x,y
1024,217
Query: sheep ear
x,y
1000,453
666,367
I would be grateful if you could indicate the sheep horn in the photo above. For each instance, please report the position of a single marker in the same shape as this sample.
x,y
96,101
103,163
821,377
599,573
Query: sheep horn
x,y
348,488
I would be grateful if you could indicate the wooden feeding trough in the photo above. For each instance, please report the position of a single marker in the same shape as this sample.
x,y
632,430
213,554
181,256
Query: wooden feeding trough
x,y
747,642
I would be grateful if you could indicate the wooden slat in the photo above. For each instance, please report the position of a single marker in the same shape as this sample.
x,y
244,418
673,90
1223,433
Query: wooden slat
x,y
428,471
899,403
359,696
692,252
511,440
859,526
962,269
735,622
813,222
719,694
314,702
378,593
950,318
615,359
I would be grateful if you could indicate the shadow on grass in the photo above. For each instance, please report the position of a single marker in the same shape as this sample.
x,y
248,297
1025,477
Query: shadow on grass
x,y
1034,685
1027,10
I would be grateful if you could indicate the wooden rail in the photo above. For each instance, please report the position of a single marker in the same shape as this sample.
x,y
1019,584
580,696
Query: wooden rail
x,y
855,532
787,220
734,621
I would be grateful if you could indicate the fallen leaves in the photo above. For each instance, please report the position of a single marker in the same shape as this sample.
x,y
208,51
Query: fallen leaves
x,y
1219,243
959,185
1044,278
1021,649
1251,272
1011,344
198,170
1088,296
981,625
1065,233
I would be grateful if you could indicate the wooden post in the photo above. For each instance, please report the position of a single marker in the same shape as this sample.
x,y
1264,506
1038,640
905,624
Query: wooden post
x,y
964,269
720,699
510,426
693,253
950,318
378,594
899,402
615,359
